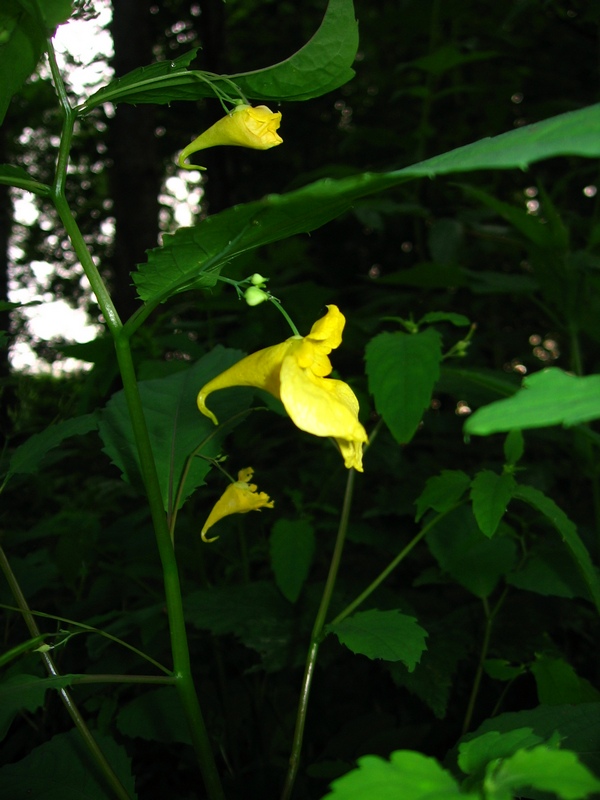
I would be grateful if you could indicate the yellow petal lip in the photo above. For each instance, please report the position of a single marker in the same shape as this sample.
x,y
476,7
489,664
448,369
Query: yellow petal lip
x,y
295,371
245,126
238,498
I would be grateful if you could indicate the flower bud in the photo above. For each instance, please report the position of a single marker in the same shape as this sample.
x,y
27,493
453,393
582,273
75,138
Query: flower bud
x,y
255,296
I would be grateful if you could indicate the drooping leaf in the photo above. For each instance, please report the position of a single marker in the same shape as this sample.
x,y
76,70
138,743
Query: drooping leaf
x,y
25,692
292,546
323,64
192,254
442,491
490,495
176,427
403,369
568,531
407,775
549,397
63,769
389,635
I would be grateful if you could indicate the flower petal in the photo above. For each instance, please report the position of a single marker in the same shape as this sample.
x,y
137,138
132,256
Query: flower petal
x,y
238,498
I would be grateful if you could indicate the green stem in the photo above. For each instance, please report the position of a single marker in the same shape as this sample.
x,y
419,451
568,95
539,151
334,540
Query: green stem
x,y
95,751
315,640
282,310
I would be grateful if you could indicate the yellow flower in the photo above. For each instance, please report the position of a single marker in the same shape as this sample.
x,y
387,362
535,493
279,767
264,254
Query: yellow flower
x,y
245,126
295,372
238,498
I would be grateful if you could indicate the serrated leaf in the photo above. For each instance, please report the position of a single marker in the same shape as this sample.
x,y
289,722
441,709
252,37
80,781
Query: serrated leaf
x,y
568,531
155,716
192,253
292,546
175,425
323,64
27,458
549,397
389,635
25,692
63,769
407,775
402,369
490,495
545,769
442,491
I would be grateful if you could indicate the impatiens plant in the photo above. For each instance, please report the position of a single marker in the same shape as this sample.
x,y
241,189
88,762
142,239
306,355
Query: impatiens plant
x,y
391,602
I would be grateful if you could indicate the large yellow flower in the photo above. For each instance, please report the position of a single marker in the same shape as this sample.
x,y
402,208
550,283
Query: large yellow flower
x,y
295,372
245,126
238,498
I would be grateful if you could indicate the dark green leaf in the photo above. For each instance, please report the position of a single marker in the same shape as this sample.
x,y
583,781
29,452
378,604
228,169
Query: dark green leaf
x,y
490,495
389,635
442,491
25,692
16,176
548,572
445,316
156,716
292,546
476,754
558,683
403,369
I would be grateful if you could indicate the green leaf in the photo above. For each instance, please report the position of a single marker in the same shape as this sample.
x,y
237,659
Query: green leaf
x,y
502,670
16,176
568,532
25,692
490,495
474,561
407,775
445,316
292,547
200,252
513,447
558,683
323,64
442,491
543,768
27,458
547,572
389,635
402,369
549,397
176,427
155,716
63,769
475,754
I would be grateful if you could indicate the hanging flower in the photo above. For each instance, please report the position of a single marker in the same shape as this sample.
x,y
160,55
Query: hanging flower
x,y
295,372
245,126
238,498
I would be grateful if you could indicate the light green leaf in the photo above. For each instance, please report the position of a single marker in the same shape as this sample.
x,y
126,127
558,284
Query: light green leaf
x,y
513,447
27,458
63,769
549,397
323,64
568,531
407,775
195,253
292,546
403,369
389,635
545,769
175,425
25,692
490,495
442,491
558,683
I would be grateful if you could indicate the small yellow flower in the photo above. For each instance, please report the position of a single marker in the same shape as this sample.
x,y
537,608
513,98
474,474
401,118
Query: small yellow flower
x,y
245,126
238,498
295,372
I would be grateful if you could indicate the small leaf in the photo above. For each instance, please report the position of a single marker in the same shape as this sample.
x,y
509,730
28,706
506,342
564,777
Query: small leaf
x,y
292,548
445,316
490,495
389,635
402,369
513,447
442,491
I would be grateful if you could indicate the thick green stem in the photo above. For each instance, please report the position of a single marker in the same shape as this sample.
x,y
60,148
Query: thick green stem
x,y
109,775
315,640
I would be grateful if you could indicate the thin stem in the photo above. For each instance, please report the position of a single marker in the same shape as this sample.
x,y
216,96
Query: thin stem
x,y
282,310
315,640
109,775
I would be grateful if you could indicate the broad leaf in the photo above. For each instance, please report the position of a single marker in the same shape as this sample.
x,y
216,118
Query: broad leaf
x,y
475,754
323,64
191,253
547,572
549,397
558,684
175,425
568,532
490,495
389,635
407,775
25,692
156,715
442,491
403,369
292,546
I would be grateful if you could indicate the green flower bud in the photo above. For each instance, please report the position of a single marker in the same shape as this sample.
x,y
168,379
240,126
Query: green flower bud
x,y
254,296
258,280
